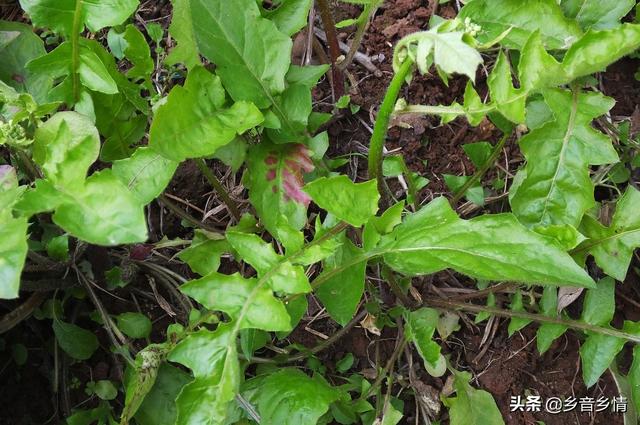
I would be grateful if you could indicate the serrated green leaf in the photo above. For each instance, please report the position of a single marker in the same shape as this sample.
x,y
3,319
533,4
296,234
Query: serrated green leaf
x,y
65,147
59,15
613,246
354,203
181,29
341,293
597,14
194,122
290,16
212,357
556,187
490,247
283,276
471,406
240,297
77,342
102,212
289,397
146,173
497,16
25,47
251,55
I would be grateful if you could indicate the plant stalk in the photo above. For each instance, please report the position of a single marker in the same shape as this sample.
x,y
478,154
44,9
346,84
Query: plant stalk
x,y
376,145
481,171
574,324
334,47
220,190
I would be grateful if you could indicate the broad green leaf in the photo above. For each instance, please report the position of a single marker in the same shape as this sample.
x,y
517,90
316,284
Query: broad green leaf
x,y
613,246
65,147
140,379
342,292
597,353
255,306
25,47
523,17
597,49
194,122
537,68
275,179
212,357
391,416
599,303
283,276
102,212
549,332
251,55
597,14
447,50
420,326
471,406
555,186
203,256
13,253
146,173
289,397
491,247
91,70
159,406
181,29
59,15
134,325
290,16
354,203
77,342
509,100
478,152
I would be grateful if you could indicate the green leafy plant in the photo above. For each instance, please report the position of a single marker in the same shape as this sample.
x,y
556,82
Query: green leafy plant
x,y
82,172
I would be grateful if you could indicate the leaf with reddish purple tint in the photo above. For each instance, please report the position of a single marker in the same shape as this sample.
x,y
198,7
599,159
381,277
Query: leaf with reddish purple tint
x,y
275,180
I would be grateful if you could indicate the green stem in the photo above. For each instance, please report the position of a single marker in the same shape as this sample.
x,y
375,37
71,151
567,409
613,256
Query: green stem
x,y
75,50
481,171
369,11
376,145
220,190
574,324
